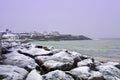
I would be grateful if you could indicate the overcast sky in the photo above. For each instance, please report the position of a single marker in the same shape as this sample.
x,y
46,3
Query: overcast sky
x,y
93,18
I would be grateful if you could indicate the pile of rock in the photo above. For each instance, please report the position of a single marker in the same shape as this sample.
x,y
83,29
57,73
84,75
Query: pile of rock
x,y
33,62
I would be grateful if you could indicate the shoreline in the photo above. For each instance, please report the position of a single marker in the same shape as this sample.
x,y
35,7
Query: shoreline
x,y
103,59
25,61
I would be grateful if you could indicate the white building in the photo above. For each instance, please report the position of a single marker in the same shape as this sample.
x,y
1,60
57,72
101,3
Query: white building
x,y
10,37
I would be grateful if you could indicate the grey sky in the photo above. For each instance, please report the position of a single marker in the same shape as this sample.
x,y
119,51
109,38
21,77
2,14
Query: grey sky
x,y
93,18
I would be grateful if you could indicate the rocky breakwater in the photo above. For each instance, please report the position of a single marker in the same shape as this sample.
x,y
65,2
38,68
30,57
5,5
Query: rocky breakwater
x,y
35,62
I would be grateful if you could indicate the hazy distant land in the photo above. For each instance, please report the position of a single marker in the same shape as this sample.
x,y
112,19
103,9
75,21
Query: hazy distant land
x,y
53,36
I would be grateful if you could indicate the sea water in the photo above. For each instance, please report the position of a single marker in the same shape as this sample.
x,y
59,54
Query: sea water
x,y
106,49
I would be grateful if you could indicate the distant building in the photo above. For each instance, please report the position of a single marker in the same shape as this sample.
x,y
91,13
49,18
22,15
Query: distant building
x,y
10,37
54,33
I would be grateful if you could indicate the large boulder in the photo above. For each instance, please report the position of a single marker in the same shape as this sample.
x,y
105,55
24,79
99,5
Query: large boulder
x,y
36,51
56,61
41,59
85,73
85,62
81,72
62,54
67,55
57,56
109,71
34,75
90,62
53,65
8,72
20,60
57,75
63,60
96,75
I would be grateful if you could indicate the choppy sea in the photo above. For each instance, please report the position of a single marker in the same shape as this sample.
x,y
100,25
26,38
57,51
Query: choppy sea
x,y
100,49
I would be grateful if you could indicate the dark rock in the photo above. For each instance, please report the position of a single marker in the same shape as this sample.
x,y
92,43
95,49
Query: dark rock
x,y
42,47
41,59
84,57
46,48
28,68
92,67
37,46
5,50
41,70
118,66
26,54
48,54
76,60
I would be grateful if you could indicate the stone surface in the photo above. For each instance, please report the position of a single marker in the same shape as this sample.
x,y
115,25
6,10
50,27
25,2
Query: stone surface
x,y
20,60
84,62
53,65
36,51
41,59
34,75
96,75
57,75
56,61
8,72
85,73
81,72
109,71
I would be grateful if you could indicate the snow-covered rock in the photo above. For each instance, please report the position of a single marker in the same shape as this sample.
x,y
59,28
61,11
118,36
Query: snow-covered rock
x,y
91,63
109,71
53,65
75,54
57,75
61,60
84,62
96,75
81,72
20,60
36,51
11,44
62,54
8,72
34,75
63,57
84,72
